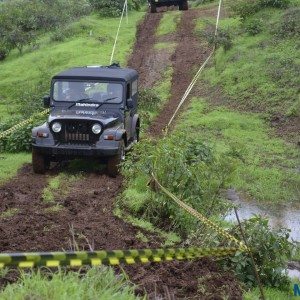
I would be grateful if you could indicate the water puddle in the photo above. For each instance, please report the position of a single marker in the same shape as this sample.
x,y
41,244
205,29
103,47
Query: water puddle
x,y
281,216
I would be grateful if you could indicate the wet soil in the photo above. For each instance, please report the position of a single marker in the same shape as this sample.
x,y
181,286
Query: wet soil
x,y
188,57
86,219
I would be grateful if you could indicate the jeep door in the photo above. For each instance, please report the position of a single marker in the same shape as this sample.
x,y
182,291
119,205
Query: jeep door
x,y
130,108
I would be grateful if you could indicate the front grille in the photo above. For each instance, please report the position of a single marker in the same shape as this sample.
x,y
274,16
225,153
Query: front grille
x,y
76,137
77,132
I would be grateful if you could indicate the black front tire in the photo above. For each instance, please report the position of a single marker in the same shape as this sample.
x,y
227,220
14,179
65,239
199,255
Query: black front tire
x,y
40,163
113,163
153,8
184,5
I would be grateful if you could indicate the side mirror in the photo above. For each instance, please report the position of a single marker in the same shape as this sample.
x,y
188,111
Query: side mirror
x,y
129,103
46,100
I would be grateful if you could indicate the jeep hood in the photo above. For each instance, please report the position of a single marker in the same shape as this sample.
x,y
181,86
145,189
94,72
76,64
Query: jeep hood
x,y
105,117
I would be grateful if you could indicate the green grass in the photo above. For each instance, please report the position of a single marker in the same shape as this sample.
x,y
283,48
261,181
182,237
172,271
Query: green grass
x,y
58,187
91,45
97,283
169,238
9,213
163,89
168,23
267,165
259,72
11,163
271,293
165,45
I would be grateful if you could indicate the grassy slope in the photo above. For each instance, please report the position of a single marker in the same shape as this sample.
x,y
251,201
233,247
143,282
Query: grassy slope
x,y
91,45
267,168
258,73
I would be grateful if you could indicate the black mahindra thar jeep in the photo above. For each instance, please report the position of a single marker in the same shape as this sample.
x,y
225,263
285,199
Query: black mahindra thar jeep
x,y
93,113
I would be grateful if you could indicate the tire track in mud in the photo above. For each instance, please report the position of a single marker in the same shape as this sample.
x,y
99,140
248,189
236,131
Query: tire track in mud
x,y
88,207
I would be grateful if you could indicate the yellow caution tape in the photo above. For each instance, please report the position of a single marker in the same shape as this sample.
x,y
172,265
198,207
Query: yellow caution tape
x,y
204,220
114,257
23,123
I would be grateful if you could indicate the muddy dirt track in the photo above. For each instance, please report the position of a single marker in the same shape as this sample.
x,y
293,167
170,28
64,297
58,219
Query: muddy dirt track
x,y
88,207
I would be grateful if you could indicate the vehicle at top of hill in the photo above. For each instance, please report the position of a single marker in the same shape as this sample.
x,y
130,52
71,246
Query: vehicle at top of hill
x,y
153,4
93,114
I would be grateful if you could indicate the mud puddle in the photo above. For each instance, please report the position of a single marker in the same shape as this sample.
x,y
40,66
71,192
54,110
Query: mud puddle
x,y
281,216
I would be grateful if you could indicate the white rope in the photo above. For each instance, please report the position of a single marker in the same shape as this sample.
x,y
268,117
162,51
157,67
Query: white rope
x,y
194,80
117,35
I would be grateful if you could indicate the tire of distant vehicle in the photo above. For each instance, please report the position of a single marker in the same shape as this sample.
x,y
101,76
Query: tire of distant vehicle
x,y
153,8
184,5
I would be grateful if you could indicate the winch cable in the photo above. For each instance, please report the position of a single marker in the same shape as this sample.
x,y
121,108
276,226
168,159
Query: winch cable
x,y
196,77
125,9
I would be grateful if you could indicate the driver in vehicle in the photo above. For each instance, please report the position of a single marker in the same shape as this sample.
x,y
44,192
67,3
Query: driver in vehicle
x,y
75,92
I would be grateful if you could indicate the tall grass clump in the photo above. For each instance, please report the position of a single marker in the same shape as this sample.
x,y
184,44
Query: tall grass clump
x,y
188,168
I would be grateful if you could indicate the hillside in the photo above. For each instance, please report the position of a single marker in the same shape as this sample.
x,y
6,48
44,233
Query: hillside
x,y
236,137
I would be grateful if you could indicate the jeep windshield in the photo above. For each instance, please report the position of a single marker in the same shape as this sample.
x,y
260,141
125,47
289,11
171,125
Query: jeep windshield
x,y
87,91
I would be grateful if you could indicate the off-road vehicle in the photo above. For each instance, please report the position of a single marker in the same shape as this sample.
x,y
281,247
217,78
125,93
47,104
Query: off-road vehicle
x,y
93,114
153,4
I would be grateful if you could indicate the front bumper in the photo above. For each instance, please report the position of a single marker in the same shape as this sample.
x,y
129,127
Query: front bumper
x,y
71,151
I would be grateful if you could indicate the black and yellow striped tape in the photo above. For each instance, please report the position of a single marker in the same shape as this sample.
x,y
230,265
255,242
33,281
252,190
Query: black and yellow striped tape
x,y
114,257
242,247
23,123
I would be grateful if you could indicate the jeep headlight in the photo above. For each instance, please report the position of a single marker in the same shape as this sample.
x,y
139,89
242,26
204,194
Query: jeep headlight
x,y
96,128
56,127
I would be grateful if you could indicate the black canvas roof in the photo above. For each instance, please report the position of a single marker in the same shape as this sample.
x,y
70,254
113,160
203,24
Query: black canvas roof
x,y
105,73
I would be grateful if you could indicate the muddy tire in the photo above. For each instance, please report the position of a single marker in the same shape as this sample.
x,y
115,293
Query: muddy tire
x,y
40,163
152,8
113,163
136,136
184,5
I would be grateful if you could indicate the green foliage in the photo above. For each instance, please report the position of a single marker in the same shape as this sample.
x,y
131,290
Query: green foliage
x,y
21,21
113,8
188,168
168,23
108,8
246,8
289,25
11,163
223,38
148,100
271,251
20,139
266,165
253,26
97,283
261,72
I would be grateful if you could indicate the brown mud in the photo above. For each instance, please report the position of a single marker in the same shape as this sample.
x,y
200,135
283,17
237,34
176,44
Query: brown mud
x,y
187,58
86,219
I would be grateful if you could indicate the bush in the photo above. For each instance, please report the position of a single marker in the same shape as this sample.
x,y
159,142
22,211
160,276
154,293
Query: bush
x,y
290,25
253,26
21,21
245,8
188,168
223,39
271,251
108,8
148,100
